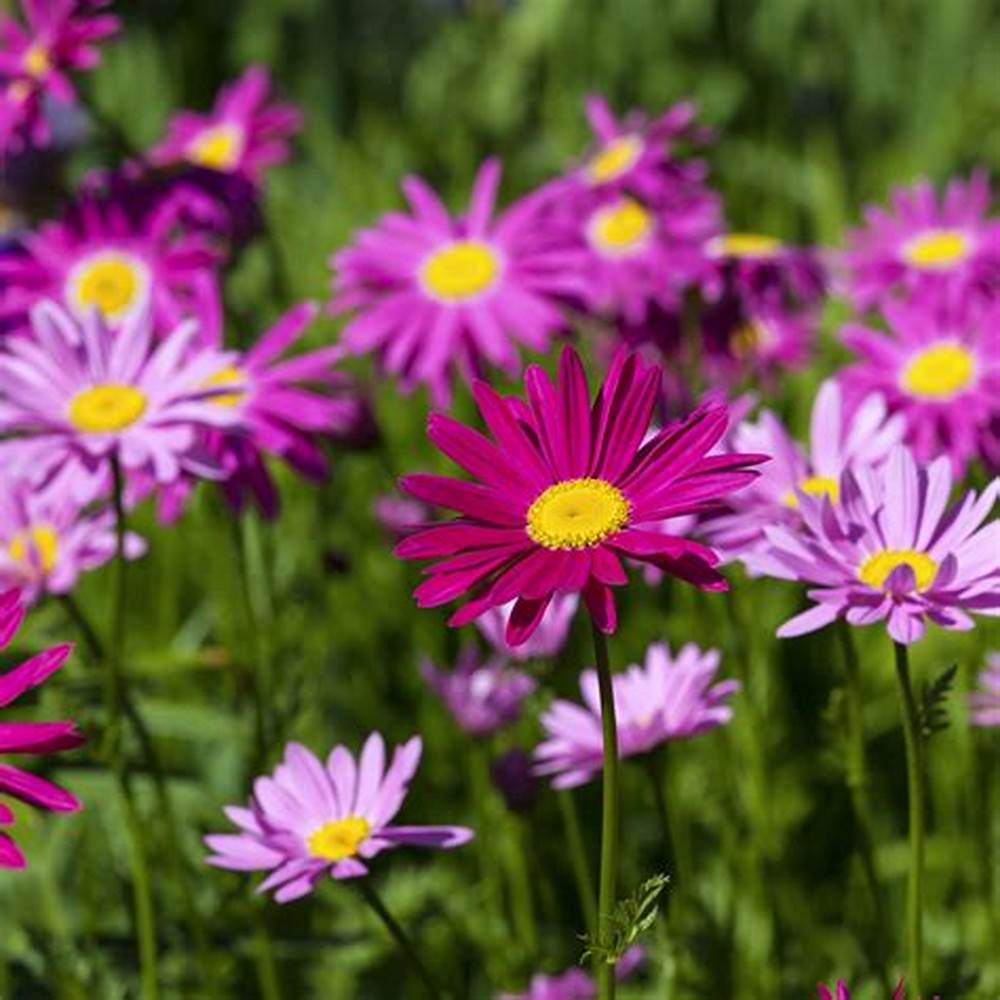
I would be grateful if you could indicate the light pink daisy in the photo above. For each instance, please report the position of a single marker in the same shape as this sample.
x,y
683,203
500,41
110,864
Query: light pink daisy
x,y
891,551
669,698
546,641
29,737
244,133
984,704
309,820
432,294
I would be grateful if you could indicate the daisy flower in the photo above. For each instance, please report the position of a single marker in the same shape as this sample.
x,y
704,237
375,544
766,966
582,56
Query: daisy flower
x,y
548,638
29,737
939,365
564,490
575,984
924,242
669,698
515,780
244,133
309,820
890,551
78,394
985,703
482,697
841,992
434,294
398,516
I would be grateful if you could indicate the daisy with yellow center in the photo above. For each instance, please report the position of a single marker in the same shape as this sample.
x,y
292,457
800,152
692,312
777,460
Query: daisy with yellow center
x,y
937,249
219,147
879,566
36,61
115,283
339,838
577,514
224,378
814,486
616,159
39,542
939,372
620,229
103,409
748,246
460,271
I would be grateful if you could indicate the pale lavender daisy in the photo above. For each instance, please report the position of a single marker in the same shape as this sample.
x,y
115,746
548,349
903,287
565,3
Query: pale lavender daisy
x,y
547,639
984,704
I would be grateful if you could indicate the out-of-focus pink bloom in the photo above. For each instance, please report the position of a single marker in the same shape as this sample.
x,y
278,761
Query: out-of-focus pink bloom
x,y
29,737
984,704
513,775
245,133
842,992
669,698
889,550
308,820
399,515
547,639
482,697
575,984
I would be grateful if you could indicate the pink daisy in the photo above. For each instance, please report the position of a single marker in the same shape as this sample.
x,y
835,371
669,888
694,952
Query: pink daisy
x,y
29,737
842,992
244,133
575,984
434,294
939,366
985,703
565,490
889,550
547,639
669,698
923,242
309,820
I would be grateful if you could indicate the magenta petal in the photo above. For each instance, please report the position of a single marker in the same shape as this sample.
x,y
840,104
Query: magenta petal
x,y
600,603
525,617
427,836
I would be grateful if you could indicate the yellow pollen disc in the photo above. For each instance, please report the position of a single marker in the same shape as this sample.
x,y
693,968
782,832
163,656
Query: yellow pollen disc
x,y
218,148
815,486
620,229
937,249
749,245
111,281
577,514
228,376
876,569
338,839
105,408
41,541
617,158
36,60
939,372
460,270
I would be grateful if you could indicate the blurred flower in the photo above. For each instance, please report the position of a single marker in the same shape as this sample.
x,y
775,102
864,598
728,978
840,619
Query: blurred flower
x,y
434,294
669,698
889,551
482,697
78,393
773,498
575,984
47,540
308,820
564,491
939,367
925,243
985,703
399,515
825,993
244,133
29,737
513,776
548,638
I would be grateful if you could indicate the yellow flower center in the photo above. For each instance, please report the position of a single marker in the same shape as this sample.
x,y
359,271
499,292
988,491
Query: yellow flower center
x,y
577,514
620,229
877,568
228,376
937,249
460,270
41,541
815,486
939,372
338,839
105,408
113,282
218,148
617,158
36,60
748,245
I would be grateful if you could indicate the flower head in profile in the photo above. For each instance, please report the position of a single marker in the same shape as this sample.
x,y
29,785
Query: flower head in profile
x,y
984,703
482,697
939,366
547,639
312,819
29,737
891,550
668,698
575,984
432,294
76,394
564,490
245,133
924,242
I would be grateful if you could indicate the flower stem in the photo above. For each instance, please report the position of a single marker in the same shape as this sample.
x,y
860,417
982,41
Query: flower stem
x,y
400,936
915,790
656,769
578,859
605,971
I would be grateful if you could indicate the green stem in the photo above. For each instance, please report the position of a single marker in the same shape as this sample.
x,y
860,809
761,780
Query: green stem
x,y
915,791
605,971
656,769
95,648
578,859
267,971
519,880
400,936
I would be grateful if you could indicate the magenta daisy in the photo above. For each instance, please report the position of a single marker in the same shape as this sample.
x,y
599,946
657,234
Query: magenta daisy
x,y
841,992
78,394
891,551
575,984
984,704
29,737
939,366
924,242
669,698
311,819
547,639
433,294
564,490
245,133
